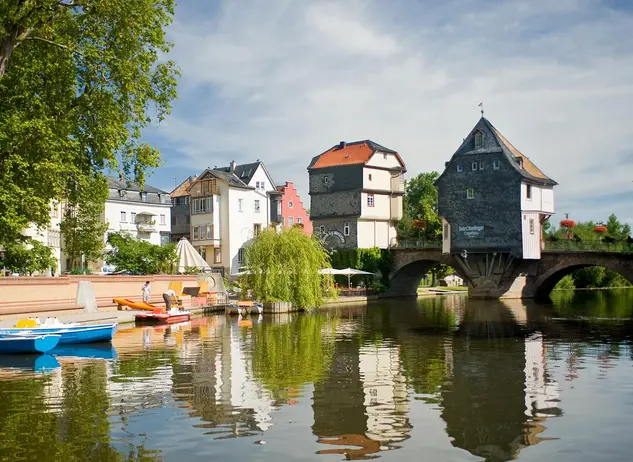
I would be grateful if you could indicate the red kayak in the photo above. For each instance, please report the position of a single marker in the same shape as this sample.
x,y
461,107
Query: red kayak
x,y
163,317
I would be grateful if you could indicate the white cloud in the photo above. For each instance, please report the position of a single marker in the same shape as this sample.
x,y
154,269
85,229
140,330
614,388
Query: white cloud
x,y
284,80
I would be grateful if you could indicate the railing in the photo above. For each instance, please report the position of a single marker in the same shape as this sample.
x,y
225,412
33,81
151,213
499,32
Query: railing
x,y
146,227
588,246
417,244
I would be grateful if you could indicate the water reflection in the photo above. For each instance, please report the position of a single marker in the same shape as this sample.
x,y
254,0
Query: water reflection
x,y
368,382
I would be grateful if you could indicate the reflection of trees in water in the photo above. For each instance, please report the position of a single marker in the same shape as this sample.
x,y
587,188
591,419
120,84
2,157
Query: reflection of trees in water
x,y
77,428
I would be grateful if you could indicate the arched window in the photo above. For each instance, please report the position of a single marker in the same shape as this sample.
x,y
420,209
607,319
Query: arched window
x,y
479,140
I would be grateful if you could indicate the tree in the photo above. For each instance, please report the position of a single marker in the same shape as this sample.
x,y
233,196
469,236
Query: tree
x,y
82,227
285,266
79,81
616,230
140,257
28,259
421,204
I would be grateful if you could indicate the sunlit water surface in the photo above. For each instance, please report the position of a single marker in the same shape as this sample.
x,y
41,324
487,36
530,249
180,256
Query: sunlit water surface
x,y
442,378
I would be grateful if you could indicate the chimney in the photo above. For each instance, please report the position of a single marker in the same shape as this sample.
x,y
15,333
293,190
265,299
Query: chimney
x,y
341,145
232,166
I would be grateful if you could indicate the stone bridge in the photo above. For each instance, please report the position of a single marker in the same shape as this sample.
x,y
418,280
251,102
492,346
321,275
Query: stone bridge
x,y
499,275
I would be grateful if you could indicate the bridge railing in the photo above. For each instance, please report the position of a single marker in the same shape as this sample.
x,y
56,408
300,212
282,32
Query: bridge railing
x,y
416,244
588,246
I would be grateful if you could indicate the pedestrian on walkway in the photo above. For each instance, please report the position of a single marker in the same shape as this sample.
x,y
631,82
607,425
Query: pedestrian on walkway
x,y
146,292
167,298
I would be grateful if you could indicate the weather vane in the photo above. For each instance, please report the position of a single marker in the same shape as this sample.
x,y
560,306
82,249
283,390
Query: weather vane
x,y
481,105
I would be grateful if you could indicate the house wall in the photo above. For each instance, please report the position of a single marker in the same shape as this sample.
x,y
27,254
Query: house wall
x,y
333,232
541,200
240,227
180,219
383,160
297,211
380,179
374,234
343,178
162,212
531,235
496,205
335,204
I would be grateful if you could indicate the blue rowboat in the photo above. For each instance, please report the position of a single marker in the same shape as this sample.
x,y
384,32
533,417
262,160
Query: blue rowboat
x,y
29,362
92,351
69,334
28,343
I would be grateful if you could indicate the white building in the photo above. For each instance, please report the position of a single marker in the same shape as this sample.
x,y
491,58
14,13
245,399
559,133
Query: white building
x,y
229,207
356,192
51,235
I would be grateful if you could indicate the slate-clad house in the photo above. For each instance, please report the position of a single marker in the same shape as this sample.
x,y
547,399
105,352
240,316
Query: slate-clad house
x,y
493,198
356,192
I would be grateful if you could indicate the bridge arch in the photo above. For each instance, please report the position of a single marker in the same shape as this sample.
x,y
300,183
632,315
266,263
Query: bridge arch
x,y
549,277
410,267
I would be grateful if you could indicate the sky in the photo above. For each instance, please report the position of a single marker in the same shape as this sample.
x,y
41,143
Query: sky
x,y
284,80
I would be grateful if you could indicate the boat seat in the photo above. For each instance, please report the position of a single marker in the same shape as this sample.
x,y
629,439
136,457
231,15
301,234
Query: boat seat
x,y
25,323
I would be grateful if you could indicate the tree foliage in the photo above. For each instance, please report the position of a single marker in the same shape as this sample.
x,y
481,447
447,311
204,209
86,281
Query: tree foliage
x,y
28,258
420,203
374,260
584,231
284,266
140,257
79,81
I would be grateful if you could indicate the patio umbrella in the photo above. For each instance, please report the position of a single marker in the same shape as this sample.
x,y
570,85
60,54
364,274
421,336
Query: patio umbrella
x,y
188,257
329,271
349,272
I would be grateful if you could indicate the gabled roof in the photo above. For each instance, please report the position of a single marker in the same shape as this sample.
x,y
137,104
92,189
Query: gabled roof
x,y
115,183
494,141
230,178
357,152
245,172
182,189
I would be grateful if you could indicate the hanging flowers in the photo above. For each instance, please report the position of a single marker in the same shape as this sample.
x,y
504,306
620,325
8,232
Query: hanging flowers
x,y
600,229
567,223
420,224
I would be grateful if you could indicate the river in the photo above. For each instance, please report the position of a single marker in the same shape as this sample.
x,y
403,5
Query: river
x,y
441,378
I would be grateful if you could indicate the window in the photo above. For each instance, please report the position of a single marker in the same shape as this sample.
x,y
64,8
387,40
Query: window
x,y
474,166
122,193
346,229
217,256
481,165
263,185
133,217
162,219
470,193
257,229
370,200
209,231
299,220
496,165
174,220
291,221
460,168
123,217
279,208
325,180
195,233
257,185
479,140
446,236
370,177
203,205
528,191
144,196
240,256
290,204
531,225
239,205
202,231
384,156
257,206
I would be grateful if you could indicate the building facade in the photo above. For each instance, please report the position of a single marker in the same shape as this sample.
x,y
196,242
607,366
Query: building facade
x,y
493,198
180,216
230,206
356,195
292,210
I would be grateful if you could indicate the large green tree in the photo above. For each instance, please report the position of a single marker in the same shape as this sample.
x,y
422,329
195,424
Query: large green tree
x,y
28,259
420,203
136,256
79,81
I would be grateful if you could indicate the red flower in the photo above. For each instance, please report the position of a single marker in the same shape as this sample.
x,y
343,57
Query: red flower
x,y
567,223
600,229
419,223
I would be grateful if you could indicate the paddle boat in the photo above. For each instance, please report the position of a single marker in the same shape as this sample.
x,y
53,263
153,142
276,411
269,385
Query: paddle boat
x,y
70,333
29,362
28,343
244,307
162,316
91,351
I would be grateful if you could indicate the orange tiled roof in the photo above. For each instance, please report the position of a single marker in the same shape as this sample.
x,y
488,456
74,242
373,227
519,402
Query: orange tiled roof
x,y
358,152
181,190
528,166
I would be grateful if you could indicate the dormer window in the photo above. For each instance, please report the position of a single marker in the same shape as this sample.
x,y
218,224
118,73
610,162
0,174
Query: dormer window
x,y
479,140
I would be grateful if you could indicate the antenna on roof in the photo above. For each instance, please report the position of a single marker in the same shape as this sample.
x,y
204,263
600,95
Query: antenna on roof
x,y
481,105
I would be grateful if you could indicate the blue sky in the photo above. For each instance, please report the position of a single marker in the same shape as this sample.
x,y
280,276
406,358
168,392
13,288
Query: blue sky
x,y
283,80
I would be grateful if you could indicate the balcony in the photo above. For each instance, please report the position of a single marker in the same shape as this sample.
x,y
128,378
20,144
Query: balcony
x,y
146,227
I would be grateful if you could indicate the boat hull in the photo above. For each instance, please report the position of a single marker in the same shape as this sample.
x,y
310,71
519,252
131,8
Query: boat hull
x,y
13,344
70,334
161,318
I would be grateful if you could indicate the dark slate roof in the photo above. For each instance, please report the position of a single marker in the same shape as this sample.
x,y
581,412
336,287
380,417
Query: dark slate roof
x,y
494,141
230,178
115,183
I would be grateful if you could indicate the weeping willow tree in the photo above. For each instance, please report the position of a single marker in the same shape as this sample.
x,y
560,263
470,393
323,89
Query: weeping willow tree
x,y
285,267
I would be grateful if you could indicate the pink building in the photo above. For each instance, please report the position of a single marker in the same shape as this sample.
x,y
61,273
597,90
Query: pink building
x,y
293,210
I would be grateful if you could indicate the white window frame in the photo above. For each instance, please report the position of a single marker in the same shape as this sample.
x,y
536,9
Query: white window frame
x,y
209,232
194,233
263,185
257,206
257,229
257,185
370,200
346,228
291,221
532,227
479,140
132,217
481,165
299,220
470,193
163,219
240,255
290,204
474,166
370,177
528,192
460,168
322,229
123,217
496,165
279,208
325,180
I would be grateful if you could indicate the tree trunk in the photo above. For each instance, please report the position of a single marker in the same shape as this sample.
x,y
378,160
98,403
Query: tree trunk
x,y
7,45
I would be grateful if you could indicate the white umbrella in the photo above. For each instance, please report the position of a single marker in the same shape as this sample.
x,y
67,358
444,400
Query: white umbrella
x,y
188,257
329,271
349,272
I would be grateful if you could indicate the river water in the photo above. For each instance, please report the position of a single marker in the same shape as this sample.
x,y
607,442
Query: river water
x,y
442,379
